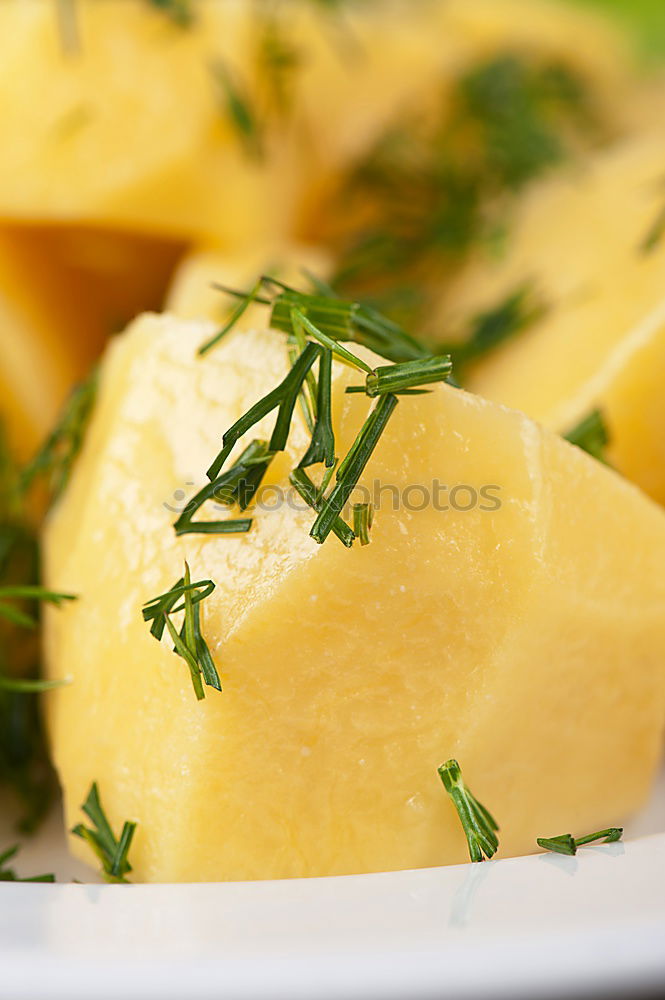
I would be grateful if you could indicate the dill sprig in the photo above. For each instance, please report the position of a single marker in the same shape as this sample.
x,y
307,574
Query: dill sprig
x,y
239,109
351,468
654,234
29,592
9,874
591,435
188,642
363,516
333,318
565,843
235,486
314,498
493,327
112,851
480,827
434,187
315,325
181,12
56,457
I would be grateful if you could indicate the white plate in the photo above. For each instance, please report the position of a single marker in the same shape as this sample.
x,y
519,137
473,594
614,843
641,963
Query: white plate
x,y
538,926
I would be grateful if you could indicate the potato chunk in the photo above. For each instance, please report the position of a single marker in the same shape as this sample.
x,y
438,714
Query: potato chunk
x,y
588,244
521,630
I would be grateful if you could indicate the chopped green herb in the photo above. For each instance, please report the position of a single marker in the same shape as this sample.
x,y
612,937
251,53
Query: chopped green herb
x,y
431,189
654,235
401,377
322,444
236,486
28,592
334,319
233,319
239,110
591,435
188,642
179,11
351,468
283,398
9,875
363,515
480,827
56,457
111,851
494,326
308,491
565,843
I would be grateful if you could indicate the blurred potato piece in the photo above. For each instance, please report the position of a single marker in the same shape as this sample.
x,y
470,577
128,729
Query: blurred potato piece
x,y
44,340
581,240
130,131
63,290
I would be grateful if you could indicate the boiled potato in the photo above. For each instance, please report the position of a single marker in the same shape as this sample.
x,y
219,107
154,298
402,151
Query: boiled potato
x,y
588,243
45,342
520,630
133,129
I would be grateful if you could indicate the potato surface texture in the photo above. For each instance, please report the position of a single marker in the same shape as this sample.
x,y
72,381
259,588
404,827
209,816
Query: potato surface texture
x,y
587,243
527,641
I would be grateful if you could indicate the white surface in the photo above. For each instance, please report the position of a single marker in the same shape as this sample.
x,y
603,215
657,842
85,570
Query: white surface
x,y
539,926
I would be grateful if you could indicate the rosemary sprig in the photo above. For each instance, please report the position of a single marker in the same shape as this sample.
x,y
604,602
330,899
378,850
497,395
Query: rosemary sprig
x,y
480,827
9,875
56,457
112,852
188,642
351,468
565,843
591,435
363,516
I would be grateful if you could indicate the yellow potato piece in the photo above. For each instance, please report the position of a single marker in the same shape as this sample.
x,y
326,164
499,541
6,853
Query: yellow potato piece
x,y
131,130
526,640
40,341
579,239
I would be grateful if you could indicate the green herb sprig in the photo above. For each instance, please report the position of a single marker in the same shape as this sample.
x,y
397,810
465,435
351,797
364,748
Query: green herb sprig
x,y
30,592
188,642
565,843
239,110
55,459
493,327
363,516
112,851
315,325
9,874
334,318
591,435
480,827
179,11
